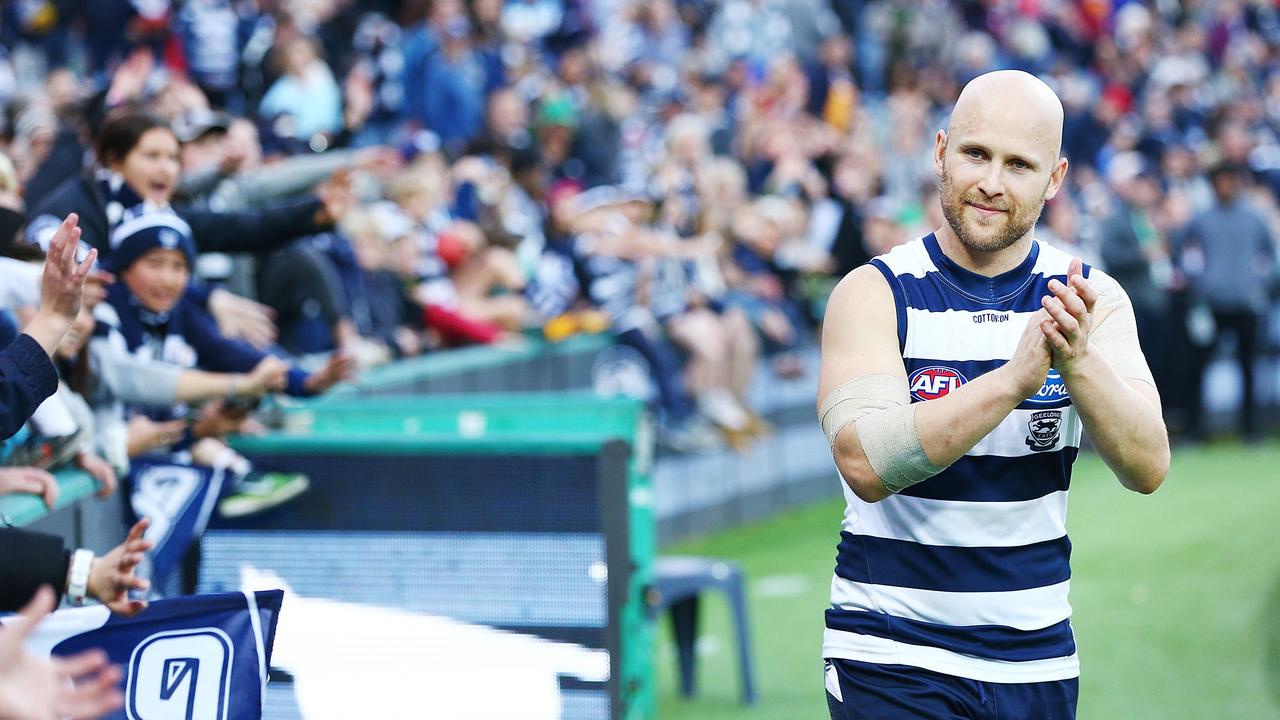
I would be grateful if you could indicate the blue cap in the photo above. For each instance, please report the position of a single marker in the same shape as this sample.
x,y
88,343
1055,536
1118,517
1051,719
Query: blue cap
x,y
138,234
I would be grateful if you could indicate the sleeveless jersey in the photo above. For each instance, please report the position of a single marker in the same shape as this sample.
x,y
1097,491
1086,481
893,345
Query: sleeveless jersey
x,y
967,572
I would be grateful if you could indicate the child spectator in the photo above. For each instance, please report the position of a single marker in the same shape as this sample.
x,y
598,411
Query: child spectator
x,y
146,311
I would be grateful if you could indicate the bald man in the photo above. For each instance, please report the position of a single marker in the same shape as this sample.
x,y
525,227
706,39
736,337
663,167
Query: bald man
x,y
958,371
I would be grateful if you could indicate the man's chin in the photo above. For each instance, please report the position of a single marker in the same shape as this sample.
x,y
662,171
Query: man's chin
x,y
985,239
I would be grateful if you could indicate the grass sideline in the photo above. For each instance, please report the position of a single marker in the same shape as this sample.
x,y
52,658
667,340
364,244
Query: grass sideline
x,y
1176,597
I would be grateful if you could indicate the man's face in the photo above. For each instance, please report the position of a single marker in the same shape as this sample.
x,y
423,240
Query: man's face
x,y
993,187
1226,185
204,152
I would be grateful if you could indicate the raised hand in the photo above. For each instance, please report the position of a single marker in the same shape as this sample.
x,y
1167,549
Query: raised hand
x,y
62,284
111,576
130,78
35,688
1071,308
61,287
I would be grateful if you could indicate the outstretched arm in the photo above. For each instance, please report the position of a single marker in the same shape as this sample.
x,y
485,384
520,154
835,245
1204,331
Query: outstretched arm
x,y
27,376
1095,348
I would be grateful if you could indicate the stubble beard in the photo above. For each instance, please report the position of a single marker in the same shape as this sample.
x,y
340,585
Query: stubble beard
x,y
1016,223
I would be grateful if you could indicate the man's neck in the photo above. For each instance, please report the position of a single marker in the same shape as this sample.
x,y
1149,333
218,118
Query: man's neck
x,y
989,264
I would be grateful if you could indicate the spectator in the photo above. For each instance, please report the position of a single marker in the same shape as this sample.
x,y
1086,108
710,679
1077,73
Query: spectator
x,y
456,83
31,559
210,33
153,253
306,101
1229,254
138,162
381,309
1134,253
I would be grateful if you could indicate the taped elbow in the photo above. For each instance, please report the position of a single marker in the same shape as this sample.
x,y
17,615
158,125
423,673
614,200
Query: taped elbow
x,y
861,478
870,422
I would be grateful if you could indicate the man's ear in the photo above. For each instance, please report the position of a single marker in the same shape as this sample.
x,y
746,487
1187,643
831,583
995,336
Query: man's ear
x,y
1056,178
940,153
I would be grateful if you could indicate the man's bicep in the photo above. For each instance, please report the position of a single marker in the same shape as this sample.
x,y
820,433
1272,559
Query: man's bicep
x,y
860,332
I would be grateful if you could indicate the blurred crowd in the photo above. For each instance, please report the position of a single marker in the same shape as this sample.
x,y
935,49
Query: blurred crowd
x,y
284,192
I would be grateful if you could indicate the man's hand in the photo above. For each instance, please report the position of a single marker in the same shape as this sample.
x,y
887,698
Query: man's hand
x,y
217,420
130,78
34,688
145,434
95,287
338,198
101,471
233,158
111,576
271,374
1030,362
379,161
29,480
61,286
340,367
1071,309
243,318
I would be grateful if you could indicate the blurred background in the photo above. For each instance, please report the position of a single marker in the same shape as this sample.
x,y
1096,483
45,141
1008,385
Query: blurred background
x,y
578,251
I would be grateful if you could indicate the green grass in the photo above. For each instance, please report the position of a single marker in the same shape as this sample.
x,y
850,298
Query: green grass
x,y
1176,597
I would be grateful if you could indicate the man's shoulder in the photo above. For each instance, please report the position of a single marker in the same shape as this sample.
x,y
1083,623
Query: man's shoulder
x,y
1053,260
909,258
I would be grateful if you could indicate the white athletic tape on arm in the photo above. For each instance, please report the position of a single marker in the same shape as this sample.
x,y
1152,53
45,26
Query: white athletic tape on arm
x,y
858,397
880,408
892,446
1115,331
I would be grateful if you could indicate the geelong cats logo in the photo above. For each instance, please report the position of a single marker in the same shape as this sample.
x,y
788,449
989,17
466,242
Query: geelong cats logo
x,y
1044,428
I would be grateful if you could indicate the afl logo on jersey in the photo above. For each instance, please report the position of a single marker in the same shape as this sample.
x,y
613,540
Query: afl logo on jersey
x,y
1052,392
934,382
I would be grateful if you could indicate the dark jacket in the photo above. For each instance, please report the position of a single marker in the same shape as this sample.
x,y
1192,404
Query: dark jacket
x,y
27,378
28,560
1124,260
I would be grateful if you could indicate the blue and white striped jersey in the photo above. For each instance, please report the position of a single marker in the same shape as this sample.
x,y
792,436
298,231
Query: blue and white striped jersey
x,y
967,572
